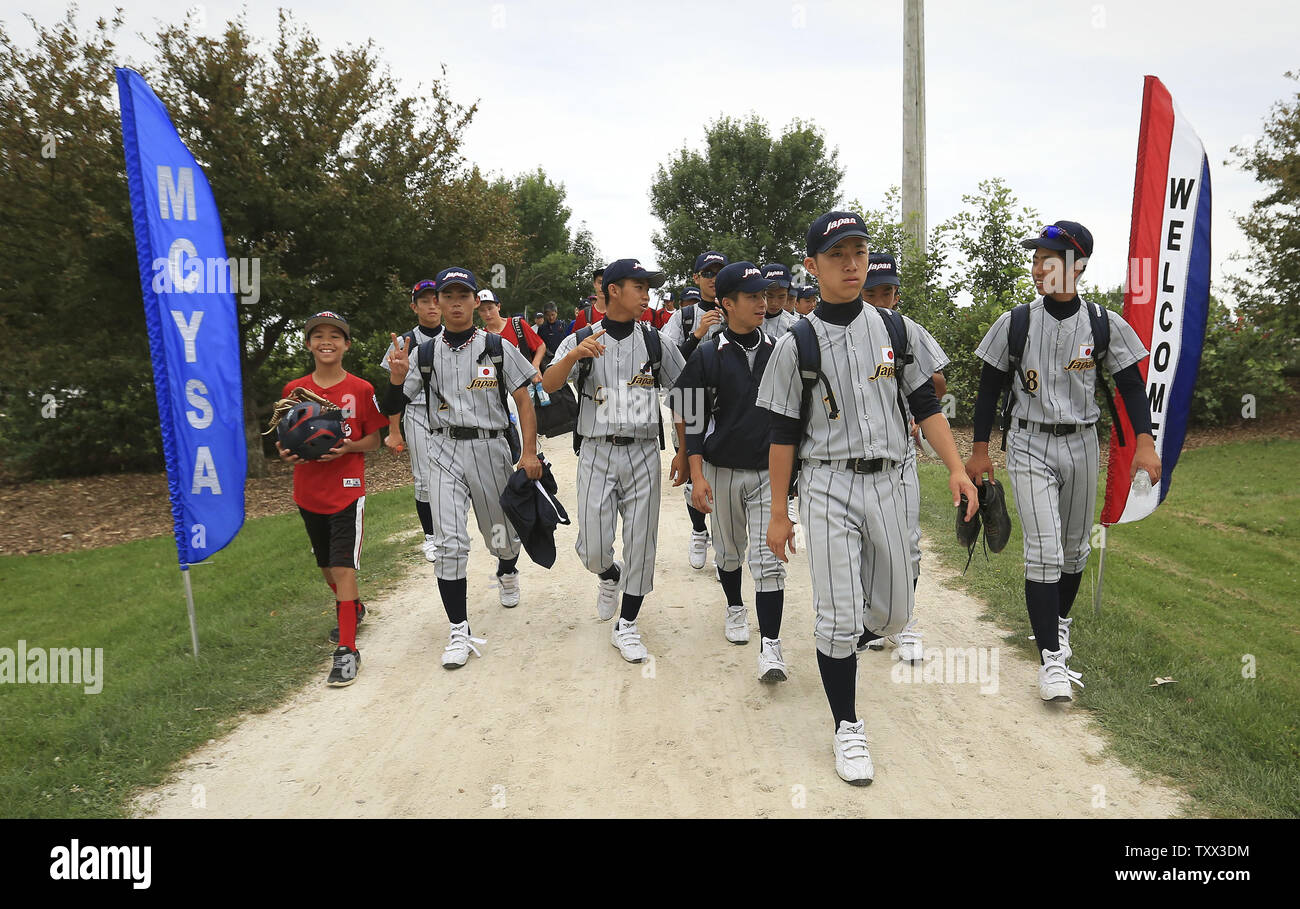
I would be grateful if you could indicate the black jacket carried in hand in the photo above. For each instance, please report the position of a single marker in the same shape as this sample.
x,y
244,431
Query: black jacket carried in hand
x,y
534,511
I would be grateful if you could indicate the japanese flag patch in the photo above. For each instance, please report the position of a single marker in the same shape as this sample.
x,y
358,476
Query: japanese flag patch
x,y
887,356
1085,351
486,372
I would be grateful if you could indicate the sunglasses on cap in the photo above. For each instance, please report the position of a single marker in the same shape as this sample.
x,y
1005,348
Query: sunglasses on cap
x,y
1052,232
422,286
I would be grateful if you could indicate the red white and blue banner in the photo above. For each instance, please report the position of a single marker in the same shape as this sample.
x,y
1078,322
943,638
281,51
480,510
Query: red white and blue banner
x,y
1167,294
192,322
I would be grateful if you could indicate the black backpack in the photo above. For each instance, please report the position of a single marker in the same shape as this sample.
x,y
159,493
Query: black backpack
x,y
688,320
1018,334
654,348
810,366
494,353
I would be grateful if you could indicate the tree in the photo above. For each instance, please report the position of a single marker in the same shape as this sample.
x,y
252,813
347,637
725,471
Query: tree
x,y
746,195
1268,293
553,266
342,189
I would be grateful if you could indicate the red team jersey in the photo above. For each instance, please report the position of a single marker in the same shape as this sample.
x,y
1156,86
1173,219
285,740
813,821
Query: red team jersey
x,y
530,336
330,486
580,317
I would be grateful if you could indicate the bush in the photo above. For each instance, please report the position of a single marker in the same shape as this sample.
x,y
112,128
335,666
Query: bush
x,y
1239,359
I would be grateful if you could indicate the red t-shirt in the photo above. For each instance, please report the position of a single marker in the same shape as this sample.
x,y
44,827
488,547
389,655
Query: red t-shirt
x,y
326,487
656,317
580,317
530,336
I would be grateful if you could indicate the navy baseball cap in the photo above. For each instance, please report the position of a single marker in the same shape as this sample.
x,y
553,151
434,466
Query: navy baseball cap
x,y
833,227
691,293
488,295
742,277
670,294
778,274
456,275
708,259
882,269
421,287
806,292
630,268
1062,236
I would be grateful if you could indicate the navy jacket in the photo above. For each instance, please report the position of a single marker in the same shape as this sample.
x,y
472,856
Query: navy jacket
x,y
531,506
718,393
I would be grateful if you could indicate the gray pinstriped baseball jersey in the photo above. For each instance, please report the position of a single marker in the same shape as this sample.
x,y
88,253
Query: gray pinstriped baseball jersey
x,y
1054,478
858,362
1058,360
776,327
467,380
417,400
622,398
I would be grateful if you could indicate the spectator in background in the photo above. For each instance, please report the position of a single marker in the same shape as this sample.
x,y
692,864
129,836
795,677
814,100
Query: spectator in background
x,y
553,329
591,312
659,317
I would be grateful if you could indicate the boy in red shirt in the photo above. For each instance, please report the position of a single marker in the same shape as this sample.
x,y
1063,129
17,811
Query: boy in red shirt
x,y
331,492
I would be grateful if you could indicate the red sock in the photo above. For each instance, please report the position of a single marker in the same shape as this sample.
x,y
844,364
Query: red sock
x,y
347,613
335,588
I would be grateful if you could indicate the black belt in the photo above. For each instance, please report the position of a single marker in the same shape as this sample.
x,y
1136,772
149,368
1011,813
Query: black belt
x,y
620,440
1054,429
469,432
858,465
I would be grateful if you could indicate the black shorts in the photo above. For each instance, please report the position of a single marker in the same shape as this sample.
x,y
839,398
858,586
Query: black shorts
x,y
336,538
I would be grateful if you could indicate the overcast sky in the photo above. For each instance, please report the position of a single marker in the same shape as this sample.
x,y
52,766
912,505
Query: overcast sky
x,y
1045,95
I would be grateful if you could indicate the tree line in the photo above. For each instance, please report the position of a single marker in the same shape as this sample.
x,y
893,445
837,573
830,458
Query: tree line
x,y
345,189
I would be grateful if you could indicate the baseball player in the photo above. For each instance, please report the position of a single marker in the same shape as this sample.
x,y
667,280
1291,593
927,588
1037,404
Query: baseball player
x,y
595,308
489,311
469,456
726,440
613,370
685,330
330,492
806,301
881,289
777,320
851,433
424,303
1051,441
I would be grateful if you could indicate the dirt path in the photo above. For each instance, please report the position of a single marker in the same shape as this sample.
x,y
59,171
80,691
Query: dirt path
x,y
552,723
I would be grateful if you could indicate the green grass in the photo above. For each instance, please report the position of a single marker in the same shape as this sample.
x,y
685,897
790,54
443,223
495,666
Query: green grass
x,y
1209,581
263,613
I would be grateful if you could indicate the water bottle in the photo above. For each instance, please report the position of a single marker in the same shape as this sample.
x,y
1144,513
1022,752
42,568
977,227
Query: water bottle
x,y
543,399
1141,483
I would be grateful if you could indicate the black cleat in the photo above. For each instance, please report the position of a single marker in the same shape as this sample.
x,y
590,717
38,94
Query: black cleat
x,y
993,510
347,663
361,614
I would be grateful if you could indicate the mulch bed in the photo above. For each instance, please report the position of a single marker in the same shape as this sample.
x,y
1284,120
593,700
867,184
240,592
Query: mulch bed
x,y
90,512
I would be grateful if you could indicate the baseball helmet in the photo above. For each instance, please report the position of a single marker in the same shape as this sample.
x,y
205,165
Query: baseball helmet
x,y
310,429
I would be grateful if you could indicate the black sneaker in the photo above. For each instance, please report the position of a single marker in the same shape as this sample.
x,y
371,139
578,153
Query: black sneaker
x,y
347,663
361,614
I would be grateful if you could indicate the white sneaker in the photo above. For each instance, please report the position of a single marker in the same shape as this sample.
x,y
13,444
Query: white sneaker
x,y
1063,638
879,643
459,646
908,642
430,548
737,627
607,595
792,509
771,665
509,584
852,760
1055,678
627,639
699,548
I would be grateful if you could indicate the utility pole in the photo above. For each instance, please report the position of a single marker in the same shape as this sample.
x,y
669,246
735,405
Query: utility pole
x,y
914,220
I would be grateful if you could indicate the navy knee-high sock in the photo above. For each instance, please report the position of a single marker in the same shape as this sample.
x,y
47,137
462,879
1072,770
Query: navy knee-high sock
x,y
454,595
426,516
769,604
839,678
1043,601
1069,590
697,519
731,586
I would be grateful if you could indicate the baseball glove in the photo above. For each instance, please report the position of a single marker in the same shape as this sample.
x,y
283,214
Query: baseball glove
x,y
968,532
